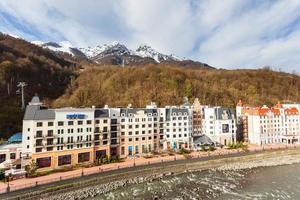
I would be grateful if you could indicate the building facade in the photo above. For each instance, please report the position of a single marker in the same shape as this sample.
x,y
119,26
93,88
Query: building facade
x,y
219,124
139,131
177,127
55,138
275,125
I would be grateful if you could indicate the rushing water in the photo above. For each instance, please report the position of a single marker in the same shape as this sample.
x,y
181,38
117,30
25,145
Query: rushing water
x,y
280,182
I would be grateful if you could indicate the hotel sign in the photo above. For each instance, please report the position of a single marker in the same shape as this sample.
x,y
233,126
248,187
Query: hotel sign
x,y
75,116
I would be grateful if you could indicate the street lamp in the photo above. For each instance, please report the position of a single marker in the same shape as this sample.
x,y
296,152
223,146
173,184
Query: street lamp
x,y
22,85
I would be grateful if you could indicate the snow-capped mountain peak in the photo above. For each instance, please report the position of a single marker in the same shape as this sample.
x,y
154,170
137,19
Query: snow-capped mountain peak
x,y
109,49
147,51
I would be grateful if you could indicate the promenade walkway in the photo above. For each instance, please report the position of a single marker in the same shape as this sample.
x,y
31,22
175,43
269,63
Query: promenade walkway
x,y
129,162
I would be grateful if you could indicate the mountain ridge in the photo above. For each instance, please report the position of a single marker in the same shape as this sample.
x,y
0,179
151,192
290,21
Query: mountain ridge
x,y
117,53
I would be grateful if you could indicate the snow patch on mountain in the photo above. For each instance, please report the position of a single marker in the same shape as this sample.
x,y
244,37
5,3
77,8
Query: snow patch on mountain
x,y
64,46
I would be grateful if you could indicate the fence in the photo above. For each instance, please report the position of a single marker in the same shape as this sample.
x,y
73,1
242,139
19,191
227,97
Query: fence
x,y
104,168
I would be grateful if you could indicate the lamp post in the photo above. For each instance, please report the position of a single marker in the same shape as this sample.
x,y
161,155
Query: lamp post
x,y
22,85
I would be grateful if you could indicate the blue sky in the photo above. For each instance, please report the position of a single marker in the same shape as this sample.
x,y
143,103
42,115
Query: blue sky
x,y
227,34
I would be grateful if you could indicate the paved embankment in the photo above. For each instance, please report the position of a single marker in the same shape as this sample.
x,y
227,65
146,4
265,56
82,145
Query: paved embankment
x,y
95,184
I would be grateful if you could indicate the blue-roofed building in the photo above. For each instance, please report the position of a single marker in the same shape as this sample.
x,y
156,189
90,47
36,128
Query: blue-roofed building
x,y
16,138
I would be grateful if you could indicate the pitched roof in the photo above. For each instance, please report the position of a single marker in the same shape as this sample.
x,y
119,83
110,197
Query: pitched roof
x,y
35,112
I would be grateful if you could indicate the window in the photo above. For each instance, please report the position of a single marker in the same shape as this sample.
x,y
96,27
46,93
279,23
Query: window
x,y
49,148
83,157
50,123
39,134
89,122
80,122
60,123
38,150
136,139
97,121
39,124
12,155
130,139
70,123
64,160
2,157
50,132
105,121
43,162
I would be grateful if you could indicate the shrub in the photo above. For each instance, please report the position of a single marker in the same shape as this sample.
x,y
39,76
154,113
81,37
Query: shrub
x,y
184,151
31,169
211,148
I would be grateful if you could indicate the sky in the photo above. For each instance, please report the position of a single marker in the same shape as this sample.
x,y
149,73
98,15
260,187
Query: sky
x,y
225,34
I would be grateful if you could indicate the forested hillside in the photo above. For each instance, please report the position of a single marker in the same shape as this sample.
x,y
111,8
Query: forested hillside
x,y
168,85
44,72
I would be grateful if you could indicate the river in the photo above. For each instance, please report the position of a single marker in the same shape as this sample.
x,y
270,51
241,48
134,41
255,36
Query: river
x,y
276,182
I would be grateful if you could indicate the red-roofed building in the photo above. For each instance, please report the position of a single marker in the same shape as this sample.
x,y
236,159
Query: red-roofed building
x,y
264,125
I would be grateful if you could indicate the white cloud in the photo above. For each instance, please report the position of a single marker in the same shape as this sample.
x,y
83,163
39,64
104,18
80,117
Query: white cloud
x,y
233,33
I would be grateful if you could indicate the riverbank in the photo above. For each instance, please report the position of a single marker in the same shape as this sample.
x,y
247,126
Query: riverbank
x,y
103,183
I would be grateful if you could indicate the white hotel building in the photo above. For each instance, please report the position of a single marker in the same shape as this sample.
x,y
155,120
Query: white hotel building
x,y
219,124
177,127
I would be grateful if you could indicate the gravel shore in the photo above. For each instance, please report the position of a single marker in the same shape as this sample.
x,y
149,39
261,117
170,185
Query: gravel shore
x,y
93,191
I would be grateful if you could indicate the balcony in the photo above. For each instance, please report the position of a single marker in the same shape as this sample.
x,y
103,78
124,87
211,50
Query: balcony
x,y
40,136
49,144
50,136
27,157
39,145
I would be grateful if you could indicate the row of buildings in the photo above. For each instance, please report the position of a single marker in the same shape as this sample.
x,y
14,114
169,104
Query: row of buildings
x,y
69,136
